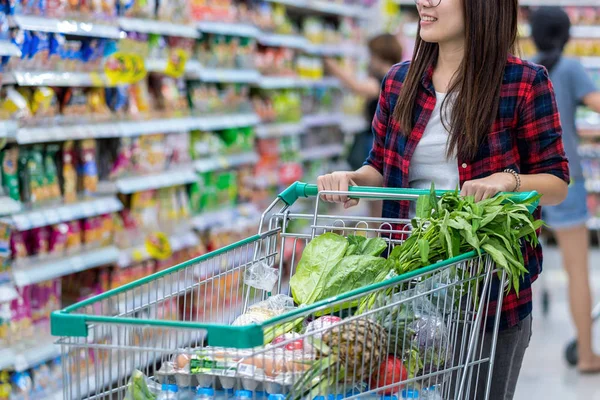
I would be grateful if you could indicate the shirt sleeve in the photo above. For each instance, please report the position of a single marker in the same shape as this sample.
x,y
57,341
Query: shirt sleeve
x,y
581,82
540,133
379,128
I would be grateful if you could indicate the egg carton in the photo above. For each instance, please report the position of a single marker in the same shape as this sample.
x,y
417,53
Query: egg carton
x,y
227,375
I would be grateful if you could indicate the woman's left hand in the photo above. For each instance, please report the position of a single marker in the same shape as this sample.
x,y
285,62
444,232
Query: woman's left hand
x,y
490,186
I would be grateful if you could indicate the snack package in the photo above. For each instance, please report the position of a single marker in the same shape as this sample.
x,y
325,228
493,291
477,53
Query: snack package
x,y
74,103
97,104
42,382
107,227
69,172
87,168
117,99
73,243
139,98
31,174
18,245
39,241
43,103
9,158
58,238
51,172
22,385
15,104
123,162
21,313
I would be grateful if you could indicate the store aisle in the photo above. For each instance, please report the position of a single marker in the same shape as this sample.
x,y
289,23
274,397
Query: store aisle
x,y
545,374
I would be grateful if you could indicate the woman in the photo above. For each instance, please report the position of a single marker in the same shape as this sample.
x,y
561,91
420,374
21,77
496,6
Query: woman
x,y
466,112
384,51
550,31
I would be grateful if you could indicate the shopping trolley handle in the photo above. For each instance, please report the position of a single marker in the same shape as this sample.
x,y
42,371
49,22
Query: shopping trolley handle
x,y
304,190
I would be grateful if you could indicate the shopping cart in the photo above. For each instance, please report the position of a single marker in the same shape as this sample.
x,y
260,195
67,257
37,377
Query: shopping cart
x,y
422,330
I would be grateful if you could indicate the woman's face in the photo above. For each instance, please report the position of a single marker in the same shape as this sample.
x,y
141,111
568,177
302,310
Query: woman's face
x,y
443,23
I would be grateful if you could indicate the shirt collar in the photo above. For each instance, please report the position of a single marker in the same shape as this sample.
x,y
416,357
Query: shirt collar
x,y
427,80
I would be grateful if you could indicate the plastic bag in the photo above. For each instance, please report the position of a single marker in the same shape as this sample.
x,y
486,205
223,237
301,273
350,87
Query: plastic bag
x,y
260,276
265,310
137,388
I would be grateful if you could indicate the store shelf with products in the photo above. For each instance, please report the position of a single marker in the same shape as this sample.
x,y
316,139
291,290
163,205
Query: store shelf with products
x,y
35,269
8,49
8,206
65,26
224,216
57,213
178,241
196,71
28,354
275,130
225,162
232,29
175,176
322,152
54,78
158,27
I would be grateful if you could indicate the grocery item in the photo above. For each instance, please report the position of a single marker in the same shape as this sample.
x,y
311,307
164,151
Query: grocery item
x,y
69,173
390,374
332,265
10,177
87,167
51,172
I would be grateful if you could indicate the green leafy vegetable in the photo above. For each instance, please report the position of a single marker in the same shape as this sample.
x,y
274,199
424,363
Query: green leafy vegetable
x,y
319,256
452,225
332,265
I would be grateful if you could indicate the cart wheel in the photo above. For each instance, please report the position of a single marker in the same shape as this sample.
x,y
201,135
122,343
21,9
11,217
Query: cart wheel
x,y
545,302
571,353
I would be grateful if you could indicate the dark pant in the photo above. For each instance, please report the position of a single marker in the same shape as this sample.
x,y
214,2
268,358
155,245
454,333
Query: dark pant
x,y
510,351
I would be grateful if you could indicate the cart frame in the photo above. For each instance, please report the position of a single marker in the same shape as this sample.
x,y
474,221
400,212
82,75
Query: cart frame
x,y
82,325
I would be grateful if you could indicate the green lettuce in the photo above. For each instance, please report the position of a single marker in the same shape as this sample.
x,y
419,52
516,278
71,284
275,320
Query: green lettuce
x,y
332,265
319,256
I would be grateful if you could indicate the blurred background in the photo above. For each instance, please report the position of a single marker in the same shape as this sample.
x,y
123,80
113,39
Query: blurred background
x,y
124,124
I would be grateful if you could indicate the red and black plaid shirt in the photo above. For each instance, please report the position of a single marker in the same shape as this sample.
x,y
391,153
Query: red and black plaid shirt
x,y
526,137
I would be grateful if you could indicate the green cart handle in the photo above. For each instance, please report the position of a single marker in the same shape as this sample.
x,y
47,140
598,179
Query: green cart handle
x,y
304,190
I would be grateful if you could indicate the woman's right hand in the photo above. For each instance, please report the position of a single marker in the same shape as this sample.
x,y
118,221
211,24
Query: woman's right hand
x,y
338,181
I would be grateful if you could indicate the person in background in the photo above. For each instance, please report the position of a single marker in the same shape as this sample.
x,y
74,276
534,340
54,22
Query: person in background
x,y
384,51
467,112
573,87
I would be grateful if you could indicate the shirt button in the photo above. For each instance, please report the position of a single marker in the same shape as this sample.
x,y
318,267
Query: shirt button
x,y
464,165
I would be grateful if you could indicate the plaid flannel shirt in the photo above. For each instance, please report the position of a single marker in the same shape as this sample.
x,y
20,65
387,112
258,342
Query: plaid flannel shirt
x,y
526,137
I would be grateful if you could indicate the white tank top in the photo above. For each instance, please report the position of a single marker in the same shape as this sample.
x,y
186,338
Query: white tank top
x,y
429,162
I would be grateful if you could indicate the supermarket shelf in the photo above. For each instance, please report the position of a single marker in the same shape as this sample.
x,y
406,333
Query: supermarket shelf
x,y
44,24
323,119
9,49
158,27
226,121
289,41
52,78
8,206
27,355
139,253
34,270
275,130
196,71
232,29
179,175
354,124
54,214
330,7
287,82
321,152
335,50
225,162
40,134
224,216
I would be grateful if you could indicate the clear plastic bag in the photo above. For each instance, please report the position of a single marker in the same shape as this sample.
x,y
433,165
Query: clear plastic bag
x,y
260,276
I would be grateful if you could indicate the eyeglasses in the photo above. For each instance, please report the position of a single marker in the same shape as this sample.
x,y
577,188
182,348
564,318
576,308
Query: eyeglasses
x,y
432,3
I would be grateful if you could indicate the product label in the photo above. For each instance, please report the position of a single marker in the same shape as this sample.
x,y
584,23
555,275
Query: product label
x,y
176,64
158,246
201,365
123,68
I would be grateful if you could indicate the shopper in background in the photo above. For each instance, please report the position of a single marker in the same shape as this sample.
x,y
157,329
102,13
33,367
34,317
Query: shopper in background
x,y
384,51
550,31
466,112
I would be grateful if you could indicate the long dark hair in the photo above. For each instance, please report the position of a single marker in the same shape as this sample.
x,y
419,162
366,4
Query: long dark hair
x,y
550,28
490,36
